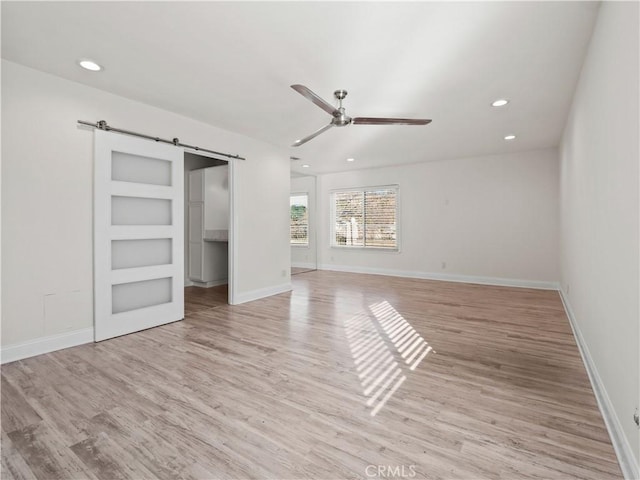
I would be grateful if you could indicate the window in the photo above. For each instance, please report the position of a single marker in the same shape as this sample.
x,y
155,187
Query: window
x,y
365,217
299,230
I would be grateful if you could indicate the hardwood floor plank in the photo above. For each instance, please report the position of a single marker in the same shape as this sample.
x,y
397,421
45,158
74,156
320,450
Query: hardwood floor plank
x,y
47,455
205,298
17,413
125,428
13,465
107,460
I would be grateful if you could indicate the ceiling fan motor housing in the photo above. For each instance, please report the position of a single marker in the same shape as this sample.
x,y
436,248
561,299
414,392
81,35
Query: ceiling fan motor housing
x,y
340,119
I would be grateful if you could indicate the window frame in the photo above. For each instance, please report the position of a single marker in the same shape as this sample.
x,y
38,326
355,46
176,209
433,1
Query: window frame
x,y
300,245
332,219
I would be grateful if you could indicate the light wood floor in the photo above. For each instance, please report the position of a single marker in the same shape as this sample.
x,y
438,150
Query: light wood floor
x,y
318,384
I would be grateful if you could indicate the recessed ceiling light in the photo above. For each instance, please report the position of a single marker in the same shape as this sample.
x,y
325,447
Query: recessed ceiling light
x,y
90,65
305,166
510,137
500,102
351,159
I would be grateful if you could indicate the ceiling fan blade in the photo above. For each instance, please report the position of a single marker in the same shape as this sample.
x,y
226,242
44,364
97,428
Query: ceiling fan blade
x,y
297,143
308,94
390,121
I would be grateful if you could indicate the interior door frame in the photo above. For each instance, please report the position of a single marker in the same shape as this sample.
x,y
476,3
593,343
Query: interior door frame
x,y
233,222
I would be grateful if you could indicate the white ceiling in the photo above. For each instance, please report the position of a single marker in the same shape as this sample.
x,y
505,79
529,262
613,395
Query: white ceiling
x,y
230,64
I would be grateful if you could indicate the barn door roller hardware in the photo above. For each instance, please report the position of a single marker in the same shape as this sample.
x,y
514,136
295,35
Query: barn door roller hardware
x,y
102,125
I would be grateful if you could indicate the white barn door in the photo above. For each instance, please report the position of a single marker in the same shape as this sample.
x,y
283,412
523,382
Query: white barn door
x,y
138,234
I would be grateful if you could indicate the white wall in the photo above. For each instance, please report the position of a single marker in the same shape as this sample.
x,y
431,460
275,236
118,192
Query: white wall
x,y
599,214
305,257
490,218
47,199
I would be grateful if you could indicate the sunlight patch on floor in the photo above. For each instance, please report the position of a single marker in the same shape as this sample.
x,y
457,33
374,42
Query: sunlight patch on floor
x,y
383,344
409,343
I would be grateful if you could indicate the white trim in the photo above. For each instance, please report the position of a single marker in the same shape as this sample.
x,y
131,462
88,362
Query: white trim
x,y
129,189
232,252
139,232
213,283
303,265
261,293
445,277
630,469
51,343
138,274
395,249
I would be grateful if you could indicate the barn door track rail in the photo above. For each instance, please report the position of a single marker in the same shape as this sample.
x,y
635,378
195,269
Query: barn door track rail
x,y
102,125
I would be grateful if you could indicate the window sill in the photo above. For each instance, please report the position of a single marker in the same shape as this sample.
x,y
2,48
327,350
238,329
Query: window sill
x,y
298,245
373,249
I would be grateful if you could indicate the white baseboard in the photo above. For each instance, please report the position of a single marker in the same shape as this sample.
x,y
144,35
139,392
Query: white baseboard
x,y
446,277
213,283
261,293
628,464
38,346
303,265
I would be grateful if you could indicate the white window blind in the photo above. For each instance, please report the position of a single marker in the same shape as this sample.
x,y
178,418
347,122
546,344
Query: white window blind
x,y
365,217
299,229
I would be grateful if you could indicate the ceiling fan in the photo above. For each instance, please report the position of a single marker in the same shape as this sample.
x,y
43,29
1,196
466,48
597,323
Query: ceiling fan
x,y
341,119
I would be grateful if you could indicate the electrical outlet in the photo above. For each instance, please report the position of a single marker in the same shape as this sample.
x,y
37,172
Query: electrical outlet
x,y
444,265
284,273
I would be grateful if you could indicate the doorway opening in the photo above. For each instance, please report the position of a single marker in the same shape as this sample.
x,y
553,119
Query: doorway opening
x,y
207,271
302,234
